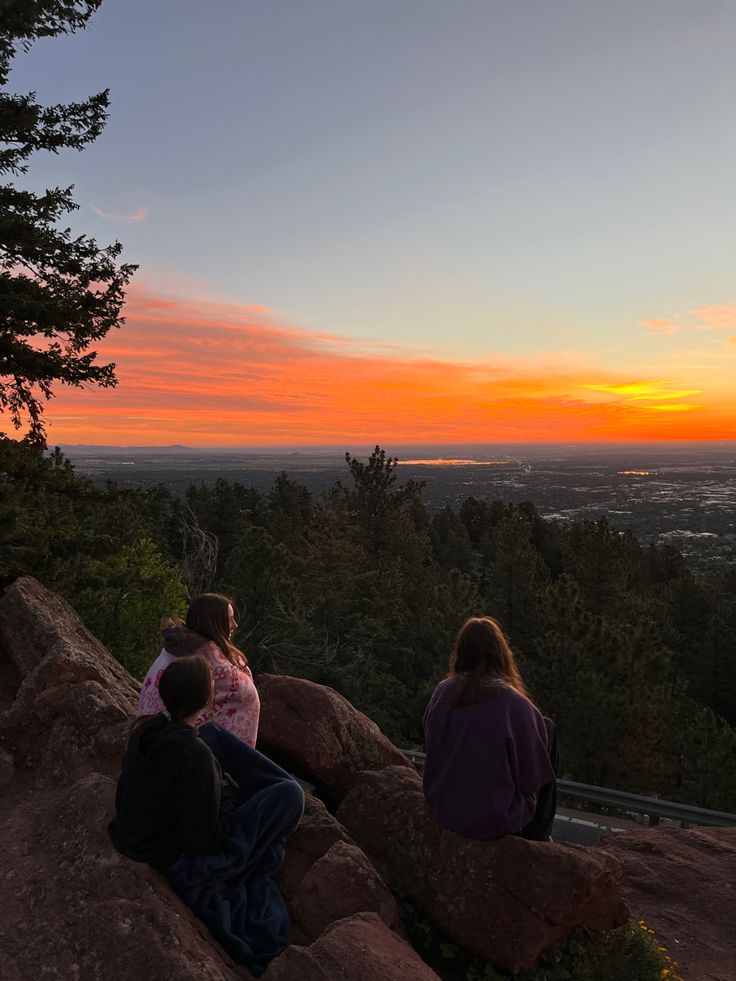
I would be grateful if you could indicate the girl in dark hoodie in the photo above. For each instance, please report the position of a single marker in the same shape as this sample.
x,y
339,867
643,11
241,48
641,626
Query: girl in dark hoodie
x,y
218,838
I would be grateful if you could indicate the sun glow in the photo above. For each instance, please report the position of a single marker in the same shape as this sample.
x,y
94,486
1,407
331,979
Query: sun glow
x,y
207,373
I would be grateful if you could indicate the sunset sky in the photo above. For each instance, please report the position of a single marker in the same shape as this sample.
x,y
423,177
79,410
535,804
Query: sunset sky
x,y
365,221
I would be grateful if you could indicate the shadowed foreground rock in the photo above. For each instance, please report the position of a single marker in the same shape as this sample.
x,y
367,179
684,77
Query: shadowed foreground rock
x,y
72,907
507,900
683,883
318,831
75,909
317,733
360,948
342,882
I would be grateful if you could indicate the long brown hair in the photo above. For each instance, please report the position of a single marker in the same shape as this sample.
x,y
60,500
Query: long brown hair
x,y
481,654
208,616
185,687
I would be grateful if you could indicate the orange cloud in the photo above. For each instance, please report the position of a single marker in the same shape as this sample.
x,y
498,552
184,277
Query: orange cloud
x,y
716,317
208,373
660,326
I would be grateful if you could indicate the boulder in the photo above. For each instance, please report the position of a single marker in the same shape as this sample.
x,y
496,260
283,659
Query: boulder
x,y
359,948
36,624
73,908
683,884
506,900
339,884
318,831
65,695
318,734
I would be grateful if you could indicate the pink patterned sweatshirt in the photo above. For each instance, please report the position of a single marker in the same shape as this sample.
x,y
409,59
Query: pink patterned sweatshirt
x,y
236,706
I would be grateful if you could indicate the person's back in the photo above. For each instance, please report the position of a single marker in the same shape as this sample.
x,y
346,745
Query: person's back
x,y
485,761
169,799
488,771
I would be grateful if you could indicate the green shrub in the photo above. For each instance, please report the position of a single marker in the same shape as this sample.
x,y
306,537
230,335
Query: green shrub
x,y
630,953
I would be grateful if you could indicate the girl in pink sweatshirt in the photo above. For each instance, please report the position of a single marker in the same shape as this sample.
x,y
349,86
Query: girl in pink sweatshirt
x,y
208,631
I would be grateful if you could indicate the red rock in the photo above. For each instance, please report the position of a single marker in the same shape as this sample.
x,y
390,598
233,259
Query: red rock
x,y
360,948
339,884
75,909
319,735
318,831
507,900
683,883
66,693
72,907
36,624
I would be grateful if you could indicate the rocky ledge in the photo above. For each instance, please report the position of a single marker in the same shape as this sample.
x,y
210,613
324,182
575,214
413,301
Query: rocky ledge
x,y
75,909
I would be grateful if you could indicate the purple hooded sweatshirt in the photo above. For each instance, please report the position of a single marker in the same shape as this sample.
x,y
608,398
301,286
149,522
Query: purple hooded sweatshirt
x,y
485,761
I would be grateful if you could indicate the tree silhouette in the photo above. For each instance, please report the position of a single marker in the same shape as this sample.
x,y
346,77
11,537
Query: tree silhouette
x,y
59,293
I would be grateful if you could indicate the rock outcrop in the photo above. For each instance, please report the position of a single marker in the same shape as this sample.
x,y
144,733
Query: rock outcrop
x,y
318,831
683,883
72,907
319,735
75,909
66,697
506,900
340,883
360,948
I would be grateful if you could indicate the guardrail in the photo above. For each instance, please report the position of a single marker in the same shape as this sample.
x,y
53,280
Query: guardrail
x,y
653,807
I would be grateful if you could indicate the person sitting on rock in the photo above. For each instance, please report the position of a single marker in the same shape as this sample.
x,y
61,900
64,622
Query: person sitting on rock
x,y
219,839
208,631
491,758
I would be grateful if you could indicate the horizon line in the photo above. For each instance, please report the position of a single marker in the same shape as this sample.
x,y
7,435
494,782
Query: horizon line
x,y
370,445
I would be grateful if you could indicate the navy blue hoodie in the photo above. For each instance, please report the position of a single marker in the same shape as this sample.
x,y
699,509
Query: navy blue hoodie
x,y
170,798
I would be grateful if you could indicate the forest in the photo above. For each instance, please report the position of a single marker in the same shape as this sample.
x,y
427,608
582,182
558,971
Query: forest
x,y
364,587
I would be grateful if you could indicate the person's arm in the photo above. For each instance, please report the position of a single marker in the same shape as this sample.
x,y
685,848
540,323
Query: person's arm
x,y
198,791
237,706
526,743
149,700
434,720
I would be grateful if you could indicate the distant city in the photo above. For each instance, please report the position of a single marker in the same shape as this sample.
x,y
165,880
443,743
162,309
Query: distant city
x,y
678,493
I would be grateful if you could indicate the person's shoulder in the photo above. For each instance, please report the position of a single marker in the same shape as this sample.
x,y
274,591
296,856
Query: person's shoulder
x,y
193,746
445,689
162,661
212,651
519,704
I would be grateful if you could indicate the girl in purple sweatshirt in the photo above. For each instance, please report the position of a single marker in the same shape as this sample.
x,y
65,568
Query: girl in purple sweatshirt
x,y
488,771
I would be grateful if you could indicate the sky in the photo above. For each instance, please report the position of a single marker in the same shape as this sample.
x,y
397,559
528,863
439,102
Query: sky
x,y
407,220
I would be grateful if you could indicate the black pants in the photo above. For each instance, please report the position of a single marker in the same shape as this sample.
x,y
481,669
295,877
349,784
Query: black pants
x,y
540,826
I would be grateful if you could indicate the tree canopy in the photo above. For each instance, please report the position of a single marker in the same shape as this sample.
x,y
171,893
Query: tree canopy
x,y
59,293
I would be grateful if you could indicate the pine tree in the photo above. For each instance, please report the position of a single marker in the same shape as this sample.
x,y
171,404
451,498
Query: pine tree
x,y
59,293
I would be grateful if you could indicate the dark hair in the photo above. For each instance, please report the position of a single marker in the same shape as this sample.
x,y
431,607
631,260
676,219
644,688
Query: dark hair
x,y
185,687
208,616
481,652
